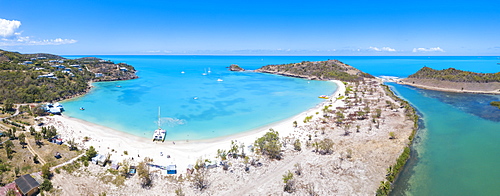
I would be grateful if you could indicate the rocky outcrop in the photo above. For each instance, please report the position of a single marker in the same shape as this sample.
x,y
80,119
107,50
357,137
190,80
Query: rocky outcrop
x,y
235,67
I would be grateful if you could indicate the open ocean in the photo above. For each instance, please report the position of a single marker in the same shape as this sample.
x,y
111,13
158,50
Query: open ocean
x,y
456,151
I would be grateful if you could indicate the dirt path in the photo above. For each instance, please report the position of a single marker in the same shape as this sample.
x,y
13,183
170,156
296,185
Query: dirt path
x,y
273,175
67,162
34,153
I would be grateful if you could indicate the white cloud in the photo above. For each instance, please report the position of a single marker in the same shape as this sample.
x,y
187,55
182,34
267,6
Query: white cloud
x,y
27,41
9,36
386,49
436,49
8,27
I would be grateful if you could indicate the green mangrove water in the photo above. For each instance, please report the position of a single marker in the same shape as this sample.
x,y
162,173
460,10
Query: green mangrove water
x,y
457,150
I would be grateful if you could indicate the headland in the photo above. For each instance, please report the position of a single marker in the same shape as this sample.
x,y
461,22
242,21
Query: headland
x,y
453,80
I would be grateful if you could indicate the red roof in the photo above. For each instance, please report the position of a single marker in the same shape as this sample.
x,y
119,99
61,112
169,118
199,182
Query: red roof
x,y
3,190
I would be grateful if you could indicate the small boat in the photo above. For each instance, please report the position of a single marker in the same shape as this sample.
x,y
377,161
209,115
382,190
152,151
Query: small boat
x,y
323,97
209,70
81,108
195,98
219,80
118,86
182,72
205,73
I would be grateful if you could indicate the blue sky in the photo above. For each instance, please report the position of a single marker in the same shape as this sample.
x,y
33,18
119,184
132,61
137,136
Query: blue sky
x,y
251,27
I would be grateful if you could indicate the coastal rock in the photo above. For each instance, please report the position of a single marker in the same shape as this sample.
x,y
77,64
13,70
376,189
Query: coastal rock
x,y
235,67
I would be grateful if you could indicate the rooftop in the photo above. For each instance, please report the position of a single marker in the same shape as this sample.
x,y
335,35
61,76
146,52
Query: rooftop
x,y
26,183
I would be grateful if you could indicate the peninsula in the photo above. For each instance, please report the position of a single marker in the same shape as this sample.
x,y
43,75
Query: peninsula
x,y
454,80
33,78
26,81
320,70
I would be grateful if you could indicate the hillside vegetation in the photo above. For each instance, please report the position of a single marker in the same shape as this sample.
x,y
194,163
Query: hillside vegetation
x,y
319,70
455,75
29,78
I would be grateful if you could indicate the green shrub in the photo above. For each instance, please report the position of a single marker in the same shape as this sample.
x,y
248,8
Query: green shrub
x,y
46,185
91,152
269,144
297,145
289,182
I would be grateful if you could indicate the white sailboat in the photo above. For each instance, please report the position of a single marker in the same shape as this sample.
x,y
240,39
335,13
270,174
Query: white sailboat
x,y
159,134
204,73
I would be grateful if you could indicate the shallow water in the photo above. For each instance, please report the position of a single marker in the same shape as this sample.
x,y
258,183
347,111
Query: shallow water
x,y
193,105
457,149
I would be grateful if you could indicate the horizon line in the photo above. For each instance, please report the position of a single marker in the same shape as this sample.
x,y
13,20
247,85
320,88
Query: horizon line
x,y
194,54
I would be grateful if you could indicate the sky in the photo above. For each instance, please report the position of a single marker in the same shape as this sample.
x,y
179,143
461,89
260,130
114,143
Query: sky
x,y
332,28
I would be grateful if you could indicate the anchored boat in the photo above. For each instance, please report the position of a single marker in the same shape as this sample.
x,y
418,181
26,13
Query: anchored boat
x,y
159,134
323,97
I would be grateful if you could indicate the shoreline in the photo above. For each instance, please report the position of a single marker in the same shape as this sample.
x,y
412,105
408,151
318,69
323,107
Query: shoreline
x,y
363,150
183,152
400,81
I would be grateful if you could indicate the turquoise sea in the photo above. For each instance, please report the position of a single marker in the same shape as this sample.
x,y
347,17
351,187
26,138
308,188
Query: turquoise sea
x,y
456,151
193,105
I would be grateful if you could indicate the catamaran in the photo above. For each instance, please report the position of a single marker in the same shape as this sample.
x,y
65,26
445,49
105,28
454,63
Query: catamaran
x,y
159,134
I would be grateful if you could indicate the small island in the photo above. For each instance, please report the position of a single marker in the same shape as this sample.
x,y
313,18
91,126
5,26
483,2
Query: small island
x,y
235,67
454,80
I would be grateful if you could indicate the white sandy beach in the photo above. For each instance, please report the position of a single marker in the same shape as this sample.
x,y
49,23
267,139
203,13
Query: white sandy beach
x,y
182,153
362,152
